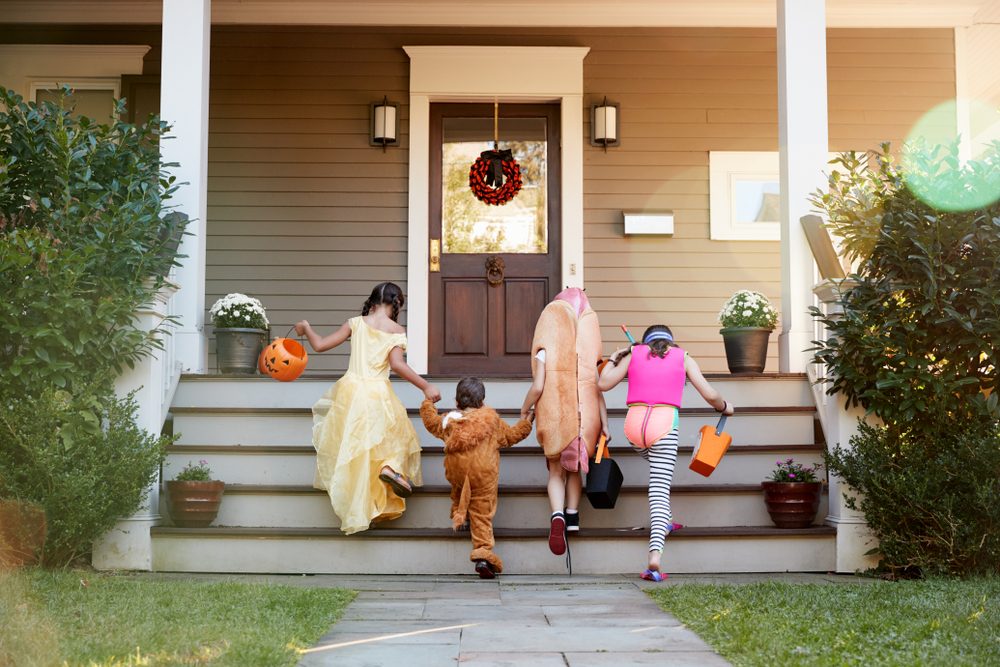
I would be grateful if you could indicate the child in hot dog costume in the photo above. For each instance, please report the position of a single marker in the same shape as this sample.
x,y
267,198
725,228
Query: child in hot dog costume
x,y
569,409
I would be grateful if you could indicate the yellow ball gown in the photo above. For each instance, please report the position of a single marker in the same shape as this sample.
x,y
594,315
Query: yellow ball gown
x,y
359,426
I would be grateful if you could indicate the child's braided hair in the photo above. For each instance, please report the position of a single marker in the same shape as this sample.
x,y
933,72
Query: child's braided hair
x,y
659,344
387,293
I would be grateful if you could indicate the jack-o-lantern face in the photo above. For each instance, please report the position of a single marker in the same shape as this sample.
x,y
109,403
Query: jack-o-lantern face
x,y
284,359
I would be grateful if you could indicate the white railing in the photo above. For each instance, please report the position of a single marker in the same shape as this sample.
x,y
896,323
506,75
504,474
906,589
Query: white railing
x,y
170,371
826,405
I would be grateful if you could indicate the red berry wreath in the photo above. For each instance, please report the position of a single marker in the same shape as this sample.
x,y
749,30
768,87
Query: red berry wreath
x,y
495,177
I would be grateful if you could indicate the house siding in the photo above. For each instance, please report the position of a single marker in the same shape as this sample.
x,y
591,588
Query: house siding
x,y
304,214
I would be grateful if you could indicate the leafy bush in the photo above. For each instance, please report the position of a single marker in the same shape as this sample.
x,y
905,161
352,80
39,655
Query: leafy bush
x,y
83,245
933,502
83,242
86,474
917,340
916,347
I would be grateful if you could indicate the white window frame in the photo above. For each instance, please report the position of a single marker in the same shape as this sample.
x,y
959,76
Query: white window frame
x,y
724,169
77,83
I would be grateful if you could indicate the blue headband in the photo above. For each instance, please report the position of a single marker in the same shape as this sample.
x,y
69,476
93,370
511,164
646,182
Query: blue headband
x,y
658,335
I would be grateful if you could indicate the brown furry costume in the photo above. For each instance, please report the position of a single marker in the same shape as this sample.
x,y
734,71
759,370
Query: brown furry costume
x,y
472,467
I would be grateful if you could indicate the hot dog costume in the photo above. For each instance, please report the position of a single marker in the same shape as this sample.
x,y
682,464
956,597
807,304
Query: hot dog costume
x,y
472,440
569,407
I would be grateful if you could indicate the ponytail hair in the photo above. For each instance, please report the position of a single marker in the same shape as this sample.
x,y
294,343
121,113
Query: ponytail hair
x,y
659,339
388,294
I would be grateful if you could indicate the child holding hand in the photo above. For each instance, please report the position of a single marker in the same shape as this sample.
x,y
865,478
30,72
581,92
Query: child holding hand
x,y
367,452
473,436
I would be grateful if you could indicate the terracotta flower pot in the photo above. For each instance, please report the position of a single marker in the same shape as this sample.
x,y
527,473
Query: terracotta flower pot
x,y
22,533
194,504
792,504
746,348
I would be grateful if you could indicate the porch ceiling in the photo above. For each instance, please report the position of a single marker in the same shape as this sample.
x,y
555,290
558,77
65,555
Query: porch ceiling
x,y
513,13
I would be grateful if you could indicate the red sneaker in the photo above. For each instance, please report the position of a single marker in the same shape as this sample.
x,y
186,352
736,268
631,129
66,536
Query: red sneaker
x,y
557,534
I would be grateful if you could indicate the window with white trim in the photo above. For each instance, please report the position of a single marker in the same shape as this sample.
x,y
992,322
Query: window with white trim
x,y
94,98
744,196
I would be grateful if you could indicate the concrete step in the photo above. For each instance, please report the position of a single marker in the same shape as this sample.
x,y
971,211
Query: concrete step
x,y
752,425
249,392
525,551
521,464
296,506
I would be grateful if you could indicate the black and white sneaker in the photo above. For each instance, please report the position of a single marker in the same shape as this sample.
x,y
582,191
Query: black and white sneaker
x,y
572,522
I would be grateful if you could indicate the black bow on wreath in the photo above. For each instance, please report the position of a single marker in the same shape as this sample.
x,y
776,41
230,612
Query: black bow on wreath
x,y
494,174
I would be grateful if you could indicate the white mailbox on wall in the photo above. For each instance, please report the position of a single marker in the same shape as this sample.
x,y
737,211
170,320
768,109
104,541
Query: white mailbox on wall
x,y
649,222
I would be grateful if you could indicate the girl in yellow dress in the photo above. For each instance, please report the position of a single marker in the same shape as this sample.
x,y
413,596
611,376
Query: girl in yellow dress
x,y
367,452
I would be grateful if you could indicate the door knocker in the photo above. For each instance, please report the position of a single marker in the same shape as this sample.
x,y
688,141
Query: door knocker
x,y
494,270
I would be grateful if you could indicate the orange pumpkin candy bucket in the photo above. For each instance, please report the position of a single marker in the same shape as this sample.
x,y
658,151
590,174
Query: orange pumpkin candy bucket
x,y
283,359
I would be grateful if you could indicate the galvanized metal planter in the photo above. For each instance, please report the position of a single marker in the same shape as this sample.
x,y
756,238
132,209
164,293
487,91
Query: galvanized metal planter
x,y
792,504
746,348
194,504
238,350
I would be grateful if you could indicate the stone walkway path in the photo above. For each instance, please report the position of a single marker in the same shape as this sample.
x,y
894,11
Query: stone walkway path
x,y
516,620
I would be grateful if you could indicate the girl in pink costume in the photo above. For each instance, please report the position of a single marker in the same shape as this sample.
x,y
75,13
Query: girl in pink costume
x,y
656,372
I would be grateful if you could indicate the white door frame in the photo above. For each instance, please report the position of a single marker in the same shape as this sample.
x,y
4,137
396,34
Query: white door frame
x,y
471,74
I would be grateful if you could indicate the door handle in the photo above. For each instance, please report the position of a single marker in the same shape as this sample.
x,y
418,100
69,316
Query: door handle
x,y
494,270
435,259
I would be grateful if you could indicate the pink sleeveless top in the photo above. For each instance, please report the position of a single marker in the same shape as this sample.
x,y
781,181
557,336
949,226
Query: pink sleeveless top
x,y
655,381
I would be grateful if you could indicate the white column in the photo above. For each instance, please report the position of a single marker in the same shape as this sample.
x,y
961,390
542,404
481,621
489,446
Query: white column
x,y
184,105
418,247
803,149
963,106
840,423
572,190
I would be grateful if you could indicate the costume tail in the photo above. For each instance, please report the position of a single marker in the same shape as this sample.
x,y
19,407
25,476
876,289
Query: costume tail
x,y
459,515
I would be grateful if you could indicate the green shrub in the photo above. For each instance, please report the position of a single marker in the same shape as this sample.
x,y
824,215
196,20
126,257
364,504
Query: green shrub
x,y
934,502
85,474
916,347
83,242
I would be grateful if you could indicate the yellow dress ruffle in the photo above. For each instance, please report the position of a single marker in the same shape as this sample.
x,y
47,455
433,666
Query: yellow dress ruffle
x,y
359,426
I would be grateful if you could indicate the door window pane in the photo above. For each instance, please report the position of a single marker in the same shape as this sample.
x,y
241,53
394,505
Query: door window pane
x,y
470,226
95,103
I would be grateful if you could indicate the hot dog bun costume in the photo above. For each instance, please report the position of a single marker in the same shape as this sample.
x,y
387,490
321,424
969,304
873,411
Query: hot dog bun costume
x,y
570,334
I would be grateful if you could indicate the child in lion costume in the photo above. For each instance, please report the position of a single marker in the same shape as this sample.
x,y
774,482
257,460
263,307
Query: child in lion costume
x,y
473,436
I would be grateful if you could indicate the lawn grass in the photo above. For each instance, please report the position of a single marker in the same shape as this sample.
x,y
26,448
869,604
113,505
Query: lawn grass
x,y
905,623
94,619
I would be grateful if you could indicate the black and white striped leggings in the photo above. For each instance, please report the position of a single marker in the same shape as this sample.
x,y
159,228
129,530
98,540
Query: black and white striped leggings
x,y
662,456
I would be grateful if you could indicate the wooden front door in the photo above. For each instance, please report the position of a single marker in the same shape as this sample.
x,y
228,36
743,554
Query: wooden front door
x,y
499,265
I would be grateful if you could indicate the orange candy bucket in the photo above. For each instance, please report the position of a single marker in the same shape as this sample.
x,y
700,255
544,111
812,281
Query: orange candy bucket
x,y
283,359
711,447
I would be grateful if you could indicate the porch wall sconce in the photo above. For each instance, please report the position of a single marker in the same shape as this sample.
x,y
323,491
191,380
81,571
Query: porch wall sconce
x,y
604,125
385,124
